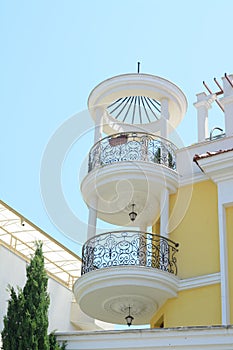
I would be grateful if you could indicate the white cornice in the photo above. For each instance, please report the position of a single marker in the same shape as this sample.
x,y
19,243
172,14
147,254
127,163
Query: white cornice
x,y
199,281
190,173
194,178
218,167
181,338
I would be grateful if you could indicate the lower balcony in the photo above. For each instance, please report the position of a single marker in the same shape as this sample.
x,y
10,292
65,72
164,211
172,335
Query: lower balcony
x,y
126,269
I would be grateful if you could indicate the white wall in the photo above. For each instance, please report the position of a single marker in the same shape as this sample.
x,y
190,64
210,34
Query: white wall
x,y
13,272
60,306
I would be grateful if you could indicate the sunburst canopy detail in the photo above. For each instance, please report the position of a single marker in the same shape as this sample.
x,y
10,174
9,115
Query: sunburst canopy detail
x,y
135,109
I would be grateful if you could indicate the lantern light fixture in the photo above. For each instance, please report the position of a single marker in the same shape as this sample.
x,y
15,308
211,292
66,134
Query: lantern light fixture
x,y
133,213
129,319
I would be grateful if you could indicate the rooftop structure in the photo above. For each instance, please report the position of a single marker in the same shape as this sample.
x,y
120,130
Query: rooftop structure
x,y
20,235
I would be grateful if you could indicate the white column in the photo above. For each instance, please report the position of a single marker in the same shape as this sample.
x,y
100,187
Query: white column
x,y
92,218
202,105
98,124
164,117
228,107
164,215
165,108
227,102
223,263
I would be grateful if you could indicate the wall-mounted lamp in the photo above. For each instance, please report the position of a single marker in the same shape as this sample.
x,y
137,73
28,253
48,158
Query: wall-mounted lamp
x,y
133,214
129,319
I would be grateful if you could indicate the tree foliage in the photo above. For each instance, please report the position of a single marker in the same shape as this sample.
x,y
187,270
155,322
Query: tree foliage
x,y
11,334
53,345
36,303
26,321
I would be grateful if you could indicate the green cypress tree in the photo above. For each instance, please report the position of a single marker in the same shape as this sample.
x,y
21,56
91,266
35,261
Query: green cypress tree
x,y
53,344
36,303
26,322
11,334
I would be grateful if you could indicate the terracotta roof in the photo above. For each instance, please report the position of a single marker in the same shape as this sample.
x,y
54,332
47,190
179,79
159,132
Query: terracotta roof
x,y
210,154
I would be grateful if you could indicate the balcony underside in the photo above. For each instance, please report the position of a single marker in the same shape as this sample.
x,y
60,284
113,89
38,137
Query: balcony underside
x,y
118,185
126,269
106,294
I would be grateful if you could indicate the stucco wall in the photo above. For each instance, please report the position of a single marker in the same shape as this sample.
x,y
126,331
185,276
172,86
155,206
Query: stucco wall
x,y
197,234
13,272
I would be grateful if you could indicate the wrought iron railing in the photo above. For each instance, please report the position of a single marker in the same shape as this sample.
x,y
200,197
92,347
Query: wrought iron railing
x,y
129,248
132,146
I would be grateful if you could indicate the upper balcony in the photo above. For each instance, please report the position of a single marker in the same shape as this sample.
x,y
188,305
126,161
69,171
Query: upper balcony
x,y
126,269
132,147
126,168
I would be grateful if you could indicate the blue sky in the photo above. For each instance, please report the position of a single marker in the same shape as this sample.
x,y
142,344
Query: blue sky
x,y
53,53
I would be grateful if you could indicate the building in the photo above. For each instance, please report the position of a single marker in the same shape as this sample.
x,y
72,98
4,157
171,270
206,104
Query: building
x,y
168,262
178,276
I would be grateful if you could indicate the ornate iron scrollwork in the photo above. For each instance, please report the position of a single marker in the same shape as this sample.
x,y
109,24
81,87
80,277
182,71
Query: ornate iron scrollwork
x,y
132,146
129,248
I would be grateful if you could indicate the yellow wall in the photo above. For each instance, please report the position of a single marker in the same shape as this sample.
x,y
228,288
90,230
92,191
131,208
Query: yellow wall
x,y
197,235
156,227
193,307
229,227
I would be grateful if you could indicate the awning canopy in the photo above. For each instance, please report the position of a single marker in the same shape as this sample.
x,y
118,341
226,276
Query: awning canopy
x,y
20,235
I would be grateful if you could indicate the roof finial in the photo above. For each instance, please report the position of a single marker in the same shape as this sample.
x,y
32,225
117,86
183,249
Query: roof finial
x,y
139,67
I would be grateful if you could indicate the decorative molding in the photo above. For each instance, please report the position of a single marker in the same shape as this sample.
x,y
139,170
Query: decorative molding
x,y
199,281
218,167
193,179
204,100
181,338
140,305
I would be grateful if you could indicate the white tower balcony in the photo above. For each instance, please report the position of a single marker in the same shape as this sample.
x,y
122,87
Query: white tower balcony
x,y
131,173
126,269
